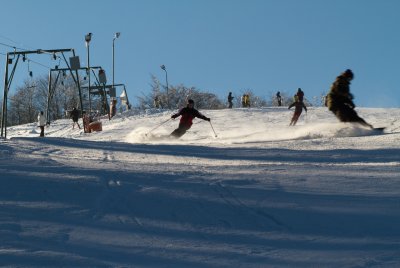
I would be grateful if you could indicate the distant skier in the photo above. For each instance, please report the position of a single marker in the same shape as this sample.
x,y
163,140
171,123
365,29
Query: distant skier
x,y
299,105
279,98
41,123
75,117
244,100
113,107
340,101
230,100
188,113
247,100
157,102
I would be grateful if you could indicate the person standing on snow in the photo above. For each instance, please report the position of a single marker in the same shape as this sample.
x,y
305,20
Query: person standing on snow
x,y
279,98
41,123
157,102
299,105
248,100
75,118
188,113
230,99
243,100
340,101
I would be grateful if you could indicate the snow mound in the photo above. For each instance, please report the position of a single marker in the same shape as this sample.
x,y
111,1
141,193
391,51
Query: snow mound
x,y
144,135
231,126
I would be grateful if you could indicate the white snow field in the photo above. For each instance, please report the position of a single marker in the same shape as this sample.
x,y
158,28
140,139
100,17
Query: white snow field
x,y
260,194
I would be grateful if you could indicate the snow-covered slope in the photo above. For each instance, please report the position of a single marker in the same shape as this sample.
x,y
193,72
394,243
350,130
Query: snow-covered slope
x,y
260,194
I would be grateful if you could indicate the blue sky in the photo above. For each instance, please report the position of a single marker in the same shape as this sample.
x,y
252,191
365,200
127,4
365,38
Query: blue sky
x,y
220,45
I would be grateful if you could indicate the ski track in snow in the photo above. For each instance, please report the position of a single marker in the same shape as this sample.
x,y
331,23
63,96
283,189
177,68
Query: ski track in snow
x,y
261,194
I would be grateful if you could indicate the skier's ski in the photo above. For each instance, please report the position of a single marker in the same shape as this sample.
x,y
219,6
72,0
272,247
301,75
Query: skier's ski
x,y
379,129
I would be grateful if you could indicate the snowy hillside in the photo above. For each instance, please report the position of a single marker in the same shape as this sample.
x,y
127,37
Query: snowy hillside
x,y
260,194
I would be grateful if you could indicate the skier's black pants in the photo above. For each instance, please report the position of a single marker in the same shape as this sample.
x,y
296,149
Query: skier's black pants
x,y
41,131
180,131
347,114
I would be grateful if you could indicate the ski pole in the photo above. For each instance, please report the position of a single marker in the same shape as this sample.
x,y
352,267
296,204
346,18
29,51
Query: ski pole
x,y
159,125
213,128
306,117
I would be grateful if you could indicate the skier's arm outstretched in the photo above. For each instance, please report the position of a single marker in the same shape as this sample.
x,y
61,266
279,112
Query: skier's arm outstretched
x,y
177,114
199,115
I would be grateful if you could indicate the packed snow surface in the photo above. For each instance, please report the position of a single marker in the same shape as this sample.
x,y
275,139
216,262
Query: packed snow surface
x,y
256,193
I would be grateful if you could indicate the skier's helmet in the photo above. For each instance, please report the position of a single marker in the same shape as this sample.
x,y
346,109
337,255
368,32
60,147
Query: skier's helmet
x,y
190,101
348,74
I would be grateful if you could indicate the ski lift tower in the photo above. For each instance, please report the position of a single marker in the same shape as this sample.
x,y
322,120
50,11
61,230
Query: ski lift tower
x,y
8,77
74,65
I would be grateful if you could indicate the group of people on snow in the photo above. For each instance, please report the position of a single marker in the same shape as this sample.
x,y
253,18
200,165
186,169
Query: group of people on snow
x,y
41,120
339,101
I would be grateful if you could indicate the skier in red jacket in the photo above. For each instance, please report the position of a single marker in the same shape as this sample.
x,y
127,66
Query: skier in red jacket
x,y
188,113
299,106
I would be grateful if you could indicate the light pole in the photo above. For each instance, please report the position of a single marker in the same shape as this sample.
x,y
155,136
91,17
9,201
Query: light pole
x,y
88,38
117,34
166,79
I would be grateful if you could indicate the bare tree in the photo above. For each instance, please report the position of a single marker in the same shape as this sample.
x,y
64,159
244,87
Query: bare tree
x,y
32,97
178,96
23,106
